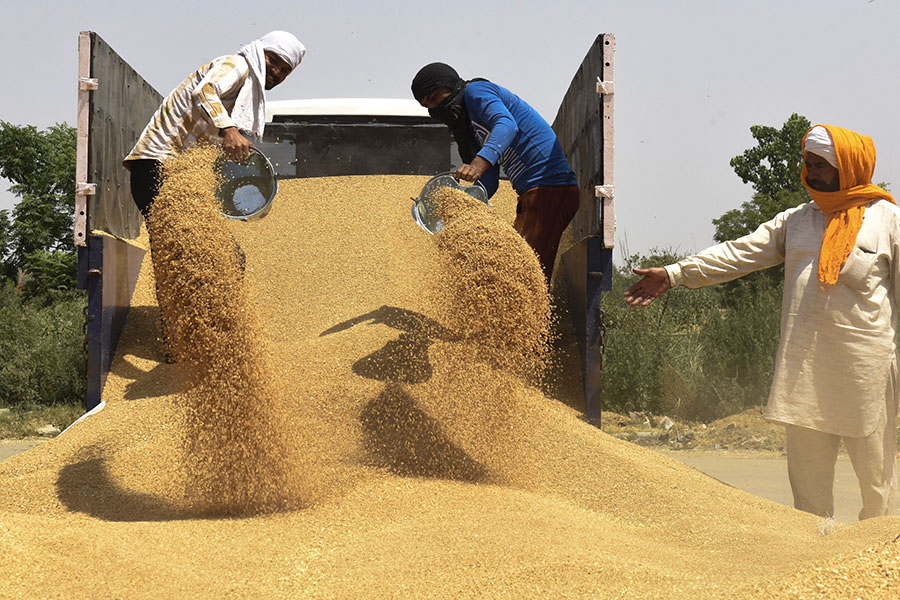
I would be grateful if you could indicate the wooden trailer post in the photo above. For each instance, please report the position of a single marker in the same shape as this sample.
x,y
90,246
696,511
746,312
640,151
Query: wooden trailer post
x,y
585,127
114,104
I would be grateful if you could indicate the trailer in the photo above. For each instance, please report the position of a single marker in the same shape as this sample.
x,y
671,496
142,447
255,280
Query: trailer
x,y
320,138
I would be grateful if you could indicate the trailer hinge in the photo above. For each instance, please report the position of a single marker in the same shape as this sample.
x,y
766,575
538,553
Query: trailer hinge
x,y
604,191
87,84
606,87
85,189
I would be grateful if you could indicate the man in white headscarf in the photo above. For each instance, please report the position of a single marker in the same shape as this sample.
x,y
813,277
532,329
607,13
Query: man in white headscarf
x,y
215,103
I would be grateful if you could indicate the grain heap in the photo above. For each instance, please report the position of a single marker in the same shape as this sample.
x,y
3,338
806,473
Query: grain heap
x,y
411,501
870,574
237,455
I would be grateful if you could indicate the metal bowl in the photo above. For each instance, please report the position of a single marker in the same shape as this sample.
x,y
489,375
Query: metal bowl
x,y
248,187
425,208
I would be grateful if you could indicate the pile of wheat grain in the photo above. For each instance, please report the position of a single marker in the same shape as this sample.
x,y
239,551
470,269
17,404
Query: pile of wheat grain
x,y
433,470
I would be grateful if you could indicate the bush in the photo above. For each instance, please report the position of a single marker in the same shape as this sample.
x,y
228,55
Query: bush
x,y
692,354
738,348
49,272
648,349
42,344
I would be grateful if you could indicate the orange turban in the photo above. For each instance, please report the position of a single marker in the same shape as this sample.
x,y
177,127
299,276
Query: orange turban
x,y
845,207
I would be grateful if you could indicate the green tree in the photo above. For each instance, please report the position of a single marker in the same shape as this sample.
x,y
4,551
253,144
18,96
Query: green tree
x,y
775,162
773,166
7,270
41,165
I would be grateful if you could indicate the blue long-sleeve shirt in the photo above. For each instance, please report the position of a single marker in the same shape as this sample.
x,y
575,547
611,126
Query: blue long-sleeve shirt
x,y
513,135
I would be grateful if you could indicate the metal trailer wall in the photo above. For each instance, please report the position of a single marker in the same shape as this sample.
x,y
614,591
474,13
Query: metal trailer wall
x,y
114,105
585,128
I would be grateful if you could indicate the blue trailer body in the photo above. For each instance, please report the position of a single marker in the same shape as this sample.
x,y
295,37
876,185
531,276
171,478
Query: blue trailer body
x,y
108,269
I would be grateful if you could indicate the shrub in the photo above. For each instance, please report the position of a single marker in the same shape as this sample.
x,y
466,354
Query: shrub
x,y
692,354
647,349
42,344
738,348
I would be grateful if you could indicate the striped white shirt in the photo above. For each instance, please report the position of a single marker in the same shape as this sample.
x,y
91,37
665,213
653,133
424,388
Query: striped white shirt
x,y
195,111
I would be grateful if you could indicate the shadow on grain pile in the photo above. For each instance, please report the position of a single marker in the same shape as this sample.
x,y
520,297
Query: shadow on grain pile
x,y
85,485
158,381
405,359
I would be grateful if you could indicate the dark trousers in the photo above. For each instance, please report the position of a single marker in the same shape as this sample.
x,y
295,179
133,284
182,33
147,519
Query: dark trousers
x,y
145,178
146,175
542,214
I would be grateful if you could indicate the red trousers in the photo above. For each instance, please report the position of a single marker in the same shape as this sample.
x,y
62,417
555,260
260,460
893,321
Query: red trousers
x,y
542,215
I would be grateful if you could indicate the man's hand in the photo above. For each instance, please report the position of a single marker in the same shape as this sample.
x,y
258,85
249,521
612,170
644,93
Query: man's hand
x,y
473,171
653,284
236,146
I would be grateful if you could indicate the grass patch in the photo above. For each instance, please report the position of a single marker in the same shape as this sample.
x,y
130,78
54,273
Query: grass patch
x,y
19,422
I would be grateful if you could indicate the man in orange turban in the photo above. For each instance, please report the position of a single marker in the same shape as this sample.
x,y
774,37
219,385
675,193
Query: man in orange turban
x,y
836,368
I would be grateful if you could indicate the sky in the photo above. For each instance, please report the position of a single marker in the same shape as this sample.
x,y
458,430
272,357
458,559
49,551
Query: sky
x,y
691,76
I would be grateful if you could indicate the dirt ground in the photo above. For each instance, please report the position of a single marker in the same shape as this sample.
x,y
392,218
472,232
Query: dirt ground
x,y
744,432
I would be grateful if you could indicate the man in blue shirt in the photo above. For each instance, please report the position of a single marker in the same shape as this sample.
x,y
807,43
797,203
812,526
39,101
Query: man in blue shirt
x,y
493,127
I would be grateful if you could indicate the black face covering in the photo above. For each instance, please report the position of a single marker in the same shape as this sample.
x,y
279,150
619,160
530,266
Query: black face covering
x,y
452,110
452,113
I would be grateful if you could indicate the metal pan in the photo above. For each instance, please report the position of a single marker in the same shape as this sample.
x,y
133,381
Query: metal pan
x,y
425,209
248,188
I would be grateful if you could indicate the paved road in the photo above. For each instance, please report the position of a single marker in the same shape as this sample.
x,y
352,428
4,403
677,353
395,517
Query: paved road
x,y
767,477
10,447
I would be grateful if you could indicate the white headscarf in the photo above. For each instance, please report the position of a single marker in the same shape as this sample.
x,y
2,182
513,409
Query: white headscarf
x,y
285,45
249,112
818,141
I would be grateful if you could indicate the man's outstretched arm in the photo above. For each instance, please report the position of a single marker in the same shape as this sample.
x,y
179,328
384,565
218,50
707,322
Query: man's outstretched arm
x,y
653,284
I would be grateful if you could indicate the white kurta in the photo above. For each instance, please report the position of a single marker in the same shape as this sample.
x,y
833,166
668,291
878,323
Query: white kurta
x,y
837,345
